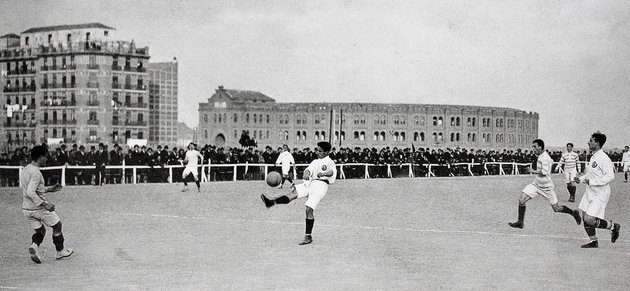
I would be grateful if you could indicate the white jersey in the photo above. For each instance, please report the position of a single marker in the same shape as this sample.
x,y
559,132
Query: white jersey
x,y
569,160
193,157
600,171
322,165
285,159
626,158
543,164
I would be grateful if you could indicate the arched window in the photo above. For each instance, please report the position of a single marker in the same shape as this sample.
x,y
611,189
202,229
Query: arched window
x,y
323,135
336,135
382,137
402,136
236,117
362,135
440,137
452,136
298,135
457,136
416,120
435,120
316,135
220,117
377,119
247,117
214,117
343,135
376,135
396,120
396,135
286,135
205,118
267,118
235,134
457,121
474,121
356,135
435,137
452,121
303,135
440,120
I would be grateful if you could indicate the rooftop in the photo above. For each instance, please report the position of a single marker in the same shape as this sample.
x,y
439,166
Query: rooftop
x,y
67,27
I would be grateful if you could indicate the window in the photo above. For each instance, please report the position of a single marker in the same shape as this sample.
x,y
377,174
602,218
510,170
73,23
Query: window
x,y
235,118
356,135
382,136
298,135
267,118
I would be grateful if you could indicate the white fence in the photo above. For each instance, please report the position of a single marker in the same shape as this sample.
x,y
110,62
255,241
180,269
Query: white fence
x,y
209,172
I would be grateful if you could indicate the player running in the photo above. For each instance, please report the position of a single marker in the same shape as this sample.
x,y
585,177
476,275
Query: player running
x,y
625,163
593,204
319,174
36,208
568,161
285,159
192,161
542,185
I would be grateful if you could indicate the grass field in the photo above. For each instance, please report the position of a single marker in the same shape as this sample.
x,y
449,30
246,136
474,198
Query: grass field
x,y
381,234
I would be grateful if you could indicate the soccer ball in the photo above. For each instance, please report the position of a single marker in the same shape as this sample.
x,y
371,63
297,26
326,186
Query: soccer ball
x,y
274,179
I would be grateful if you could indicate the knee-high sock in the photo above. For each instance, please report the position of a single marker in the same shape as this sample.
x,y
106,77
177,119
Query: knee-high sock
x,y
590,231
600,223
283,179
521,212
198,186
567,210
38,236
58,241
284,199
309,225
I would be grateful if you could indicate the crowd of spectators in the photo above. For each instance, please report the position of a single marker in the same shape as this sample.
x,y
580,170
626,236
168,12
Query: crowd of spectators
x,y
100,156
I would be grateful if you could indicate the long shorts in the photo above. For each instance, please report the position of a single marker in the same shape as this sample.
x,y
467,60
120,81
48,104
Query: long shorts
x,y
569,175
532,191
39,217
594,200
190,170
626,167
315,190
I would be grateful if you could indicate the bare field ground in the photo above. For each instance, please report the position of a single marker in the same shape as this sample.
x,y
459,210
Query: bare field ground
x,y
378,234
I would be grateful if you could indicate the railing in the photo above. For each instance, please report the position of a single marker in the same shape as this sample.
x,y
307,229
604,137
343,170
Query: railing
x,y
93,122
234,172
59,122
21,72
93,66
127,86
92,85
19,89
93,103
136,123
93,140
140,87
116,86
20,124
116,68
136,105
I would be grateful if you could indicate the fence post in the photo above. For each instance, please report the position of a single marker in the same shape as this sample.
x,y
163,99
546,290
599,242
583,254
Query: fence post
x,y
170,175
20,176
234,176
389,171
342,175
63,176
501,172
123,178
514,169
209,169
134,175
367,174
410,170
470,169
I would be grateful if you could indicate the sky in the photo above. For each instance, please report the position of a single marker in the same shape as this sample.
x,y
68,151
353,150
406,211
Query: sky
x,y
567,60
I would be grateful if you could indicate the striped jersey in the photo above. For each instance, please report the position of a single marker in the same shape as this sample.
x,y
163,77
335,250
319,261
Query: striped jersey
x,y
543,179
569,159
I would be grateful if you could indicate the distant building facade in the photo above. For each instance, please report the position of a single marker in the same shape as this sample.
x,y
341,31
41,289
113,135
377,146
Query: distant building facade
x,y
229,112
163,84
72,84
185,134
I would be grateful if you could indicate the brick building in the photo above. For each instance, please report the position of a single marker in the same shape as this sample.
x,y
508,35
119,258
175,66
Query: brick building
x,y
229,112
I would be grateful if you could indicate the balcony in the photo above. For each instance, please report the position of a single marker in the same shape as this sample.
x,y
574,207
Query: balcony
x,y
136,105
136,123
20,124
106,47
116,86
93,67
92,85
58,102
70,140
116,122
59,122
116,68
93,139
141,69
93,122
141,87
21,71
71,67
44,68
93,103
128,86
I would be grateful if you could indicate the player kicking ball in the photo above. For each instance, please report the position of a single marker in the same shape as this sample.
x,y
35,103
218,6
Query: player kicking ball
x,y
36,208
317,176
191,161
543,186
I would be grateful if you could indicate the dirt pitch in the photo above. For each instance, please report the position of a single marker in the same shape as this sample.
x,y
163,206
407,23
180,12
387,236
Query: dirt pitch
x,y
385,234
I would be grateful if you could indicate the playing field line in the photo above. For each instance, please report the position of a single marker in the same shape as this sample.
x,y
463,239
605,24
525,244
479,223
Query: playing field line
x,y
365,227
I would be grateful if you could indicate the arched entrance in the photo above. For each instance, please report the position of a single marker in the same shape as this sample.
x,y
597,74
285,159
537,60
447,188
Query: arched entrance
x,y
219,140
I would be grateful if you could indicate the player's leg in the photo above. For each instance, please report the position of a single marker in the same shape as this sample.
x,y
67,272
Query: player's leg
x,y
58,241
37,239
521,207
310,221
296,191
196,178
564,209
284,178
185,174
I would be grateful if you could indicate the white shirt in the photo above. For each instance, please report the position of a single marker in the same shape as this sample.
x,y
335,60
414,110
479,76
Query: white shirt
x,y
33,190
286,160
569,159
322,165
626,158
600,170
193,158
543,164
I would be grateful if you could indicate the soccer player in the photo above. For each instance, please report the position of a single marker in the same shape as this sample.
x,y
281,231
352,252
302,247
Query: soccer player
x,y
593,204
542,185
192,161
320,173
569,163
37,209
625,163
285,159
